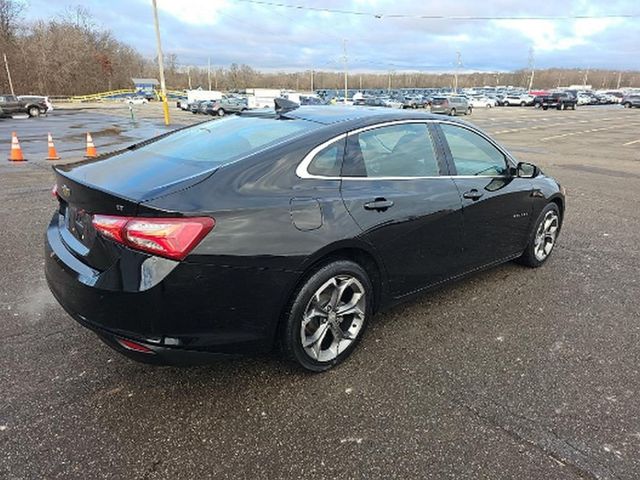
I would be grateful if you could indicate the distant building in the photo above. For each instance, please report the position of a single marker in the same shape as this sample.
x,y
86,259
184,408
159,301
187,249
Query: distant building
x,y
145,86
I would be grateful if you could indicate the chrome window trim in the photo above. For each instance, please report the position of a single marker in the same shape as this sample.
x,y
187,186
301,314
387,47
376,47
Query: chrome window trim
x,y
302,168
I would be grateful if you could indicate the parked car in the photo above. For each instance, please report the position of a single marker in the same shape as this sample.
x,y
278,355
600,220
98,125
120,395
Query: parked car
x,y
196,107
37,99
451,105
12,105
631,101
481,101
518,100
558,100
137,100
226,105
295,232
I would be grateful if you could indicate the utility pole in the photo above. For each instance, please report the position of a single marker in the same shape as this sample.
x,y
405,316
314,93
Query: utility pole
x,y
586,78
458,65
346,72
163,85
312,81
6,64
360,81
619,80
189,76
531,67
209,72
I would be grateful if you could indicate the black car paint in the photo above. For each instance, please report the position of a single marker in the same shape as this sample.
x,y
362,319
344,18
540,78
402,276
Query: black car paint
x,y
272,227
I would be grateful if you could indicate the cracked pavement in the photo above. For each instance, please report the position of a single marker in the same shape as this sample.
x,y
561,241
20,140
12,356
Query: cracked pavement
x,y
510,373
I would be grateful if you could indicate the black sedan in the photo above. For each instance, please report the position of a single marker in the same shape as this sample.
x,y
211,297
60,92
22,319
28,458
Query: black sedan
x,y
287,228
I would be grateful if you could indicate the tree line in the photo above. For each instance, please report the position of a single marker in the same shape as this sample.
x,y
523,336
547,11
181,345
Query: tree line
x,y
70,55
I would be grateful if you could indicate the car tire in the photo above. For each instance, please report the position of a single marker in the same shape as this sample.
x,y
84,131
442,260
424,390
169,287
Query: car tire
x,y
221,112
627,105
523,104
309,339
34,112
573,107
452,112
543,237
536,105
469,111
545,108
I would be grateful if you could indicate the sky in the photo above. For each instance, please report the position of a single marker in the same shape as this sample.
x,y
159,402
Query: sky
x,y
277,38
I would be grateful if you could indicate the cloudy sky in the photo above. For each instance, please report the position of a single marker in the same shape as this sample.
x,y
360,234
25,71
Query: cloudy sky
x,y
381,35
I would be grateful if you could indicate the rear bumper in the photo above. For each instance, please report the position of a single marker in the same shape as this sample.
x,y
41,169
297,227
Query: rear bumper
x,y
197,312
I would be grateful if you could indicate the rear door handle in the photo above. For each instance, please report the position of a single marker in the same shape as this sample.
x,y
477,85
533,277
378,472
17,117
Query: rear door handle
x,y
379,204
472,194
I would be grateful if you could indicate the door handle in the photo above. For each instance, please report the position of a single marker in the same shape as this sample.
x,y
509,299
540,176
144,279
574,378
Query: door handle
x,y
472,194
379,204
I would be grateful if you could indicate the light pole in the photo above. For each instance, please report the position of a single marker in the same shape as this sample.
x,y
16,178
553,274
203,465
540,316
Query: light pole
x,y
346,73
163,85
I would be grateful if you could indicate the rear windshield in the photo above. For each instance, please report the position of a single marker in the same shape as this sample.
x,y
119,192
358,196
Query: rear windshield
x,y
438,100
218,142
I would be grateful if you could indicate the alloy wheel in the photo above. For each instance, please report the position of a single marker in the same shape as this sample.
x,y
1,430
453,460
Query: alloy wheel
x,y
333,318
546,235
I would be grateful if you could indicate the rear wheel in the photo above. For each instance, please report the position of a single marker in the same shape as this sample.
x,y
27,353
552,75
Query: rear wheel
x,y
221,112
452,112
523,104
627,105
469,111
328,316
544,237
34,112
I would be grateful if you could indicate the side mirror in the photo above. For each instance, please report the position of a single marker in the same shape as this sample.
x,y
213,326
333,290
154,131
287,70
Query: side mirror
x,y
527,170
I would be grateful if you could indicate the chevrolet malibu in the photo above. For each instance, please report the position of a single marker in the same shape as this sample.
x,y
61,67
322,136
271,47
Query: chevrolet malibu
x,y
287,228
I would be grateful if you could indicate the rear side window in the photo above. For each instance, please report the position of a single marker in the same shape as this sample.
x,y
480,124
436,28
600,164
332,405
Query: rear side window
x,y
218,142
472,154
328,161
404,150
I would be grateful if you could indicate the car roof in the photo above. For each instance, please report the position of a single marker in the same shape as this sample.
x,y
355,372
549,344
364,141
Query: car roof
x,y
333,114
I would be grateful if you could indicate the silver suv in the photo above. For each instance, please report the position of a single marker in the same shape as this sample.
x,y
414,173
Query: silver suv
x,y
451,105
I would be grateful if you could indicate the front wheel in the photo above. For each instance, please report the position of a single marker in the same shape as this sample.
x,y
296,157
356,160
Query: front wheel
x,y
544,237
627,105
328,316
469,111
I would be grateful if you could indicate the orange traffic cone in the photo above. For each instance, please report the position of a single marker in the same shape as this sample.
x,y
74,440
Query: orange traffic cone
x,y
53,155
16,151
91,148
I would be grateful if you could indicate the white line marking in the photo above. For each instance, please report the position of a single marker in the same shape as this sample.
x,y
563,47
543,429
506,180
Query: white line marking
x,y
631,143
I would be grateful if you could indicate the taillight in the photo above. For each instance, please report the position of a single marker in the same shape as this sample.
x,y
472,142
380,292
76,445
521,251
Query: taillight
x,y
166,237
54,191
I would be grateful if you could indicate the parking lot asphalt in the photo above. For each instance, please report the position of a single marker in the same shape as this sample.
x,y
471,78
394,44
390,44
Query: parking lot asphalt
x,y
512,373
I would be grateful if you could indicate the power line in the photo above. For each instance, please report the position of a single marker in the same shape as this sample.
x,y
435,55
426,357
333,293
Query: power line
x,y
438,17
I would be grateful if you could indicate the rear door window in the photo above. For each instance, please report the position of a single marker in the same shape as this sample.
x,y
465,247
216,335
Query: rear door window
x,y
404,150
